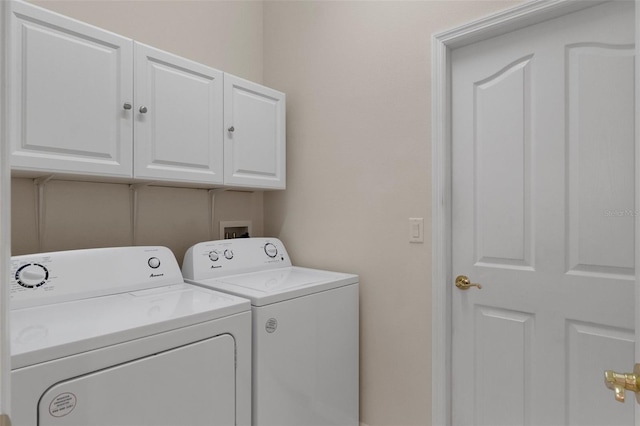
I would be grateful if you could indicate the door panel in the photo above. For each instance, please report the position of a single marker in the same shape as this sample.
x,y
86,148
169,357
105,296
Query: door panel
x,y
503,194
68,84
589,402
255,145
179,137
543,217
511,364
600,158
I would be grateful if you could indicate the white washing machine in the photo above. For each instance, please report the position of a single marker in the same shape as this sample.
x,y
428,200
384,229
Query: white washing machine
x,y
305,330
115,337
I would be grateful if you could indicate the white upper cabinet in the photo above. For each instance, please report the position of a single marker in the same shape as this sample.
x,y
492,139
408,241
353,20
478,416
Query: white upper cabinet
x,y
255,135
90,103
178,118
68,84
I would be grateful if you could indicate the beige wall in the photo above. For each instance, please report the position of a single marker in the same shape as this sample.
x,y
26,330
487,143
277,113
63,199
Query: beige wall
x,y
89,214
357,78
227,35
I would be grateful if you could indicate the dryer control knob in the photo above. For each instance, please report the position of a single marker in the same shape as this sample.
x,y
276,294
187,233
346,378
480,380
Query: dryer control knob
x,y
213,255
271,250
32,275
228,254
154,262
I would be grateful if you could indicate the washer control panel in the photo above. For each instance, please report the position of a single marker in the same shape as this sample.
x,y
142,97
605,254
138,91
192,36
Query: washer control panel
x,y
271,250
44,278
224,257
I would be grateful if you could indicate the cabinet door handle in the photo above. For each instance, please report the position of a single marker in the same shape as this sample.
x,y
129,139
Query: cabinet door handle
x,y
126,106
143,110
231,129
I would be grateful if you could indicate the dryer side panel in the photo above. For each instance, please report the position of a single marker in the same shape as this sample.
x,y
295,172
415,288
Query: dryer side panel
x,y
190,385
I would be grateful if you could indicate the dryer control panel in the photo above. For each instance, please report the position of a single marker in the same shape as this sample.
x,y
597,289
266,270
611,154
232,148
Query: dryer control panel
x,y
213,259
45,278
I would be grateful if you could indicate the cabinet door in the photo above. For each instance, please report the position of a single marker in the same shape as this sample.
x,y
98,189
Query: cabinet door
x,y
255,138
68,83
178,118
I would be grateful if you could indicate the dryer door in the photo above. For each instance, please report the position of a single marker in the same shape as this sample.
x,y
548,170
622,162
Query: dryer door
x,y
189,385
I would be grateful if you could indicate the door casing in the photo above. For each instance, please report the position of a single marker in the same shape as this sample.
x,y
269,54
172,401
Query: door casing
x,y
5,224
443,43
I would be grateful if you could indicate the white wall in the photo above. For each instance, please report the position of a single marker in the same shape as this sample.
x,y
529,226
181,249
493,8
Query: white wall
x,y
357,77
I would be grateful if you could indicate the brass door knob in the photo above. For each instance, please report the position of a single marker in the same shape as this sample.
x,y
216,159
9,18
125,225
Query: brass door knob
x,y
464,283
619,383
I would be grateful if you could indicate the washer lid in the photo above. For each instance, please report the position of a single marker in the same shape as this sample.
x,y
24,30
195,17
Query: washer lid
x,y
44,333
276,285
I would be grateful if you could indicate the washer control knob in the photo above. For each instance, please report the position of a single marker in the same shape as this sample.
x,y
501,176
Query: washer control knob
x,y
271,250
213,255
32,275
228,254
154,262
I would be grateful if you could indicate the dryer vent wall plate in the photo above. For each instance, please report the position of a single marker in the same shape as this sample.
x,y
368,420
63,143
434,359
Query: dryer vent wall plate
x,y
235,229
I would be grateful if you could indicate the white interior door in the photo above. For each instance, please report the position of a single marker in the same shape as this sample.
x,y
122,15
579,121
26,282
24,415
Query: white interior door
x,y
543,213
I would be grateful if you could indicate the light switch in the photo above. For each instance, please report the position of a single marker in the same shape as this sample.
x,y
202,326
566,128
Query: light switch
x,y
416,230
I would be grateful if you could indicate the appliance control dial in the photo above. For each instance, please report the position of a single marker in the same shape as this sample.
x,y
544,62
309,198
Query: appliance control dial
x,y
154,262
271,250
228,254
213,255
32,275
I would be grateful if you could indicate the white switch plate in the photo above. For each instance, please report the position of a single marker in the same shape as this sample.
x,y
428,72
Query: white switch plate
x,y
416,230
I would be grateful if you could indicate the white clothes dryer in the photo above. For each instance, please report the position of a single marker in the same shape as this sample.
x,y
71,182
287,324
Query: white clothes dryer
x,y
305,330
115,337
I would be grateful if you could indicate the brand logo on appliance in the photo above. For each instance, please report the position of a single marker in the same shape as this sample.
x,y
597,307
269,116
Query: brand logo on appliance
x,y
216,267
156,275
271,325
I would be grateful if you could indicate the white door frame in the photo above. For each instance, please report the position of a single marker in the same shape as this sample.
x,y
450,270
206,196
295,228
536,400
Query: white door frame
x,y
5,224
442,276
